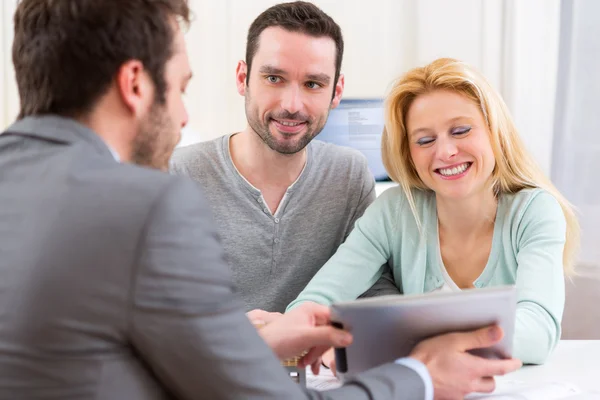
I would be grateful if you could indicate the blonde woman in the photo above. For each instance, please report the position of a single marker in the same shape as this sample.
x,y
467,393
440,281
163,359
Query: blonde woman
x,y
472,208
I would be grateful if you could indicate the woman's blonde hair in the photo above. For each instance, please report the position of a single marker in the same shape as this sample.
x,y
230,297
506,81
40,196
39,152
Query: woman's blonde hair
x,y
515,168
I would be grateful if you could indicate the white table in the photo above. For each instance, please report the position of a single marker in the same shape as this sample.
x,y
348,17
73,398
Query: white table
x,y
574,362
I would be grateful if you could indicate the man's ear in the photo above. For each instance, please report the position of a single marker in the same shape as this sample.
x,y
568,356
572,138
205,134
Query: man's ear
x,y
338,91
135,87
241,74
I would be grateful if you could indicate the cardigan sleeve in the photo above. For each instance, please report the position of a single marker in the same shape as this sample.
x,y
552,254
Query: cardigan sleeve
x,y
360,260
540,242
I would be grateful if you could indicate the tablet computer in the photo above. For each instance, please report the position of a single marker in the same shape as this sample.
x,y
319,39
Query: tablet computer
x,y
388,327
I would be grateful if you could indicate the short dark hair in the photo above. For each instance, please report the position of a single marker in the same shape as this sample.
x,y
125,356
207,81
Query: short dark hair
x,y
299,16
66,53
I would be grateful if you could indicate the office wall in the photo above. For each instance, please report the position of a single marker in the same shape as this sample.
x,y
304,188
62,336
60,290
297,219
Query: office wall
x,y
577,147
514,43
9,99
378,40
383,39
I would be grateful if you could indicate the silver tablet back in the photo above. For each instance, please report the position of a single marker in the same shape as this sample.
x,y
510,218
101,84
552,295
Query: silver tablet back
x,y
387,328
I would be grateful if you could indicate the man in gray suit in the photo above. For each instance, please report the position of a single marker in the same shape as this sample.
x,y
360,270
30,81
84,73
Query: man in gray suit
x,y
112,280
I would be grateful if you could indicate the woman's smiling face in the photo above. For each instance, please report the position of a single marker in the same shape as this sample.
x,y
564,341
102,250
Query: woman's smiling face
x,y
449,143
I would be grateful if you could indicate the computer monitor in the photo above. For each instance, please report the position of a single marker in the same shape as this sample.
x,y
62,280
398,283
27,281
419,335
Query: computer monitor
x,y
358,123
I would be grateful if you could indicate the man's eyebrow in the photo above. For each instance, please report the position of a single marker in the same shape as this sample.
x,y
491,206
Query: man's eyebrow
x,y
269,69
323,78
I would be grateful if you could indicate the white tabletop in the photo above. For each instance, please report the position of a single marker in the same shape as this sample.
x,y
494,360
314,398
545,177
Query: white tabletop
x,y
574,363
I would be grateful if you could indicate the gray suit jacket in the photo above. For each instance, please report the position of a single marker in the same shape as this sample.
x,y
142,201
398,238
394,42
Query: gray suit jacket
x,y
113,285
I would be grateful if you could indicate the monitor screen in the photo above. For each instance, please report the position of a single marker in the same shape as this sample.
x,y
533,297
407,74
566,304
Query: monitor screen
x,y
358,123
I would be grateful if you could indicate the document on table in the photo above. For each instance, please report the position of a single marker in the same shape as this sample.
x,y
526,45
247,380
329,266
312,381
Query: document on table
x,y
518,390
324,381
505,390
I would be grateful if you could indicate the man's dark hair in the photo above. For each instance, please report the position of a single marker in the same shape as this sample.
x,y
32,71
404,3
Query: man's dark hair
x,y
67,53
299,16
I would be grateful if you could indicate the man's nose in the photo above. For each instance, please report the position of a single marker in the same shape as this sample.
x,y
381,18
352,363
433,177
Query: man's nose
x,y
292,99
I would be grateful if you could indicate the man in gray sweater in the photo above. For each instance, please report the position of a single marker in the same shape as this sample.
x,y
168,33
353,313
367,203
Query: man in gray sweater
x,y
284,202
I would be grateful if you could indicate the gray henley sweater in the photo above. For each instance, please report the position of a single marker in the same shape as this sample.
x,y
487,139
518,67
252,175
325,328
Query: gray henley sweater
x,y
273,257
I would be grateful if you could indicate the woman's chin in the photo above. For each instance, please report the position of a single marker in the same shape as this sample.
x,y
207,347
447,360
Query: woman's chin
x,y
454,194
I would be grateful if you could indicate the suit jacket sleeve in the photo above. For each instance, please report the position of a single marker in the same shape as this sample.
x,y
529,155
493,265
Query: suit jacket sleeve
x,y
189,327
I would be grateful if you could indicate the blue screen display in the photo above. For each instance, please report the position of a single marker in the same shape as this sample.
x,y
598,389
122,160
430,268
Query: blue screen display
x,y
358,123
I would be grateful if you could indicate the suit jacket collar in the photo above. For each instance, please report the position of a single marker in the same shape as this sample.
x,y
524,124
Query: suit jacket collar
x,y
60,129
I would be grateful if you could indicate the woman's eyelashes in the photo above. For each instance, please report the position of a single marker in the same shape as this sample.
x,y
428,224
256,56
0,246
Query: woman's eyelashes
x,y
425,141
456,132
461,130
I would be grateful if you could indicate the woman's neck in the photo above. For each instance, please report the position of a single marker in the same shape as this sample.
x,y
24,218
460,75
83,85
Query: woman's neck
x,y
468,217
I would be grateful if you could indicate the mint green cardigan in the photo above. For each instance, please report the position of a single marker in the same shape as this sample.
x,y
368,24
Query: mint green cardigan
x,y
527,251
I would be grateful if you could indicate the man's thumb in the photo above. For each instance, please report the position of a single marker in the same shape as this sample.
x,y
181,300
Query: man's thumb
x,y
484,337
328,336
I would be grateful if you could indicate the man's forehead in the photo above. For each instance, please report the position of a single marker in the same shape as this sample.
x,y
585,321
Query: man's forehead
x,y
180,53
179,43
276,37
291,51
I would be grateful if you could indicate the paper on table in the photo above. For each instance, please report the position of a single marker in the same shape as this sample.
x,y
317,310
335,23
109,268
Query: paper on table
x,y
324,381
517,390
505,390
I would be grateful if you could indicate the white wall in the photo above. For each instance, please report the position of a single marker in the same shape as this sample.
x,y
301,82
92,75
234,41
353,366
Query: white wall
x,y
9,99
531,53
375,53
514,43
577,147
383,38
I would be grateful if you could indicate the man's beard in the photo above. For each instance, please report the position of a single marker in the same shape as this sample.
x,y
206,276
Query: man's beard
x,y
154,143
261,128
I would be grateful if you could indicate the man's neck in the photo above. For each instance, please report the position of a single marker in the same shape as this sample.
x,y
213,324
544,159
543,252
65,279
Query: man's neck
x,y
467,218
262,166
113,131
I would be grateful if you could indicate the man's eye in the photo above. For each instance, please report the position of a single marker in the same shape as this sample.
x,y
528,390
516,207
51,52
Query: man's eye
x,y
313,85
273,79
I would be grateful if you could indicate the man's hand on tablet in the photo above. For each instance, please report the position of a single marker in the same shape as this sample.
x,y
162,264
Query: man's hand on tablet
x,y
454,371
303,329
